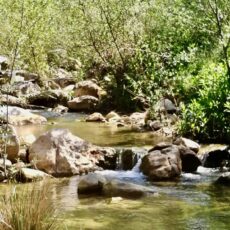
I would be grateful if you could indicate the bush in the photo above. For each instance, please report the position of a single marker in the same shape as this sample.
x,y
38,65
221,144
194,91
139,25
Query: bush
x,y
207,116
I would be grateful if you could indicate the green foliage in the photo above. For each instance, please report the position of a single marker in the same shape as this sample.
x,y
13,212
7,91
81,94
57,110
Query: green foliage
x,y
139,51
207,116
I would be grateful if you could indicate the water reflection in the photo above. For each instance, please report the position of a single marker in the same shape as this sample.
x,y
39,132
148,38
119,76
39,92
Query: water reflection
x,y
102,134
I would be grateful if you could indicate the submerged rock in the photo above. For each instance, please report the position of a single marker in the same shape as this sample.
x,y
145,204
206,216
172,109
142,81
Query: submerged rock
x,y
115,200
162,164
224,179
91,183
96,183
117,188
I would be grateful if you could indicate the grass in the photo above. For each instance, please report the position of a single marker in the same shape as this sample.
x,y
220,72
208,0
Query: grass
x,y
28,209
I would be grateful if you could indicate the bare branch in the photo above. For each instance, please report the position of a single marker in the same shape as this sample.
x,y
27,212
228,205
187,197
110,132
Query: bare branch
x,y
108,21
91,34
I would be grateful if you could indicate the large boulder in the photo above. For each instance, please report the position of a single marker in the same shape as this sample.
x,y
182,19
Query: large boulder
x,y
83,103
25,88
12,100
18,116
63,78
188,143
10,139
87,88
162,164
190,161
60,153
138,118
216,158
165,105
48,98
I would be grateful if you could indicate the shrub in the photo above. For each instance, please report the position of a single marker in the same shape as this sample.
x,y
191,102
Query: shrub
x,y
207,115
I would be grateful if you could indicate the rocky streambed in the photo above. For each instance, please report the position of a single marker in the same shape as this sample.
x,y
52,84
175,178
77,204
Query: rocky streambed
x,y
158,184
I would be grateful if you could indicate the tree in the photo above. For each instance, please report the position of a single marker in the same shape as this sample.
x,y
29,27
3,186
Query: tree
x,y
218,11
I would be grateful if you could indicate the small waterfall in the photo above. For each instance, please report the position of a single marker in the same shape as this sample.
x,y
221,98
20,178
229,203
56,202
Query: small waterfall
x,y
130,158
136,167
119,159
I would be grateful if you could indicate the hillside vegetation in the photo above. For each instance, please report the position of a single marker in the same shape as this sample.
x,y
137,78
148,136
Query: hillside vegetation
x,y
139,51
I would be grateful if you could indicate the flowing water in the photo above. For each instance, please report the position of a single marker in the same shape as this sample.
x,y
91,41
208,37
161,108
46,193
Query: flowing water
x,y
193,202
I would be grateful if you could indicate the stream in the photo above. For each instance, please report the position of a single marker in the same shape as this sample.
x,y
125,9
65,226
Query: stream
x,y
193,202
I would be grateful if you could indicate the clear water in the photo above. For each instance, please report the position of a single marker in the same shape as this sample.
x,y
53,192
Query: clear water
x,y
193,202
102,134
